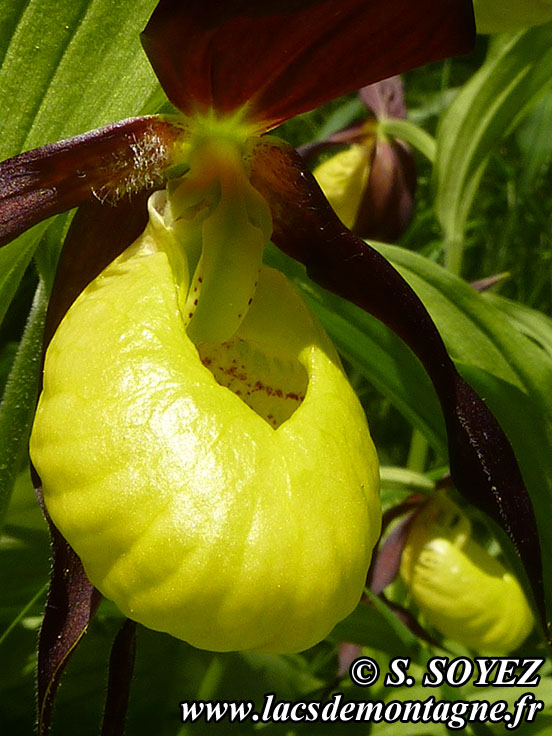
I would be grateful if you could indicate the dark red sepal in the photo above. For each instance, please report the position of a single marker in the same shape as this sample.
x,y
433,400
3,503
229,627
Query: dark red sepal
x,y
71,605
385,99
284,57
482,462
105,164
98,234
386,560
346,655
387,204
121,667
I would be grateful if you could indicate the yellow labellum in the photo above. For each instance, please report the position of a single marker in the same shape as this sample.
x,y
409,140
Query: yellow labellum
x,y
226,493
461,590
343,178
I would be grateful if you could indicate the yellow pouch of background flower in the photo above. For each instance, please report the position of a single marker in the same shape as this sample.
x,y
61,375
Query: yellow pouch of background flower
x,y
462,590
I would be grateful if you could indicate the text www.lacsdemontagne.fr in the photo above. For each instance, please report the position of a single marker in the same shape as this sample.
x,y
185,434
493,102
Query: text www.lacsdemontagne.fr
x,y
454,714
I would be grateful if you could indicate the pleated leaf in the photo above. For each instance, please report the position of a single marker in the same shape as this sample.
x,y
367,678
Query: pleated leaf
x,y
69,66
66,66
517,71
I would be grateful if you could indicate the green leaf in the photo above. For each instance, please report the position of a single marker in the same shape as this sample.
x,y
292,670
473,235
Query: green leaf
x,y
530,322
517,71
23,612
19,400
69,66
24,567
377,627
405,480
23,572
411,133
14,259
533,137
474,330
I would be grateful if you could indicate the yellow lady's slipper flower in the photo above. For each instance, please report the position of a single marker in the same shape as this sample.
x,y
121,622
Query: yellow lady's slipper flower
x,y
196,439
198,442
461,590
371,183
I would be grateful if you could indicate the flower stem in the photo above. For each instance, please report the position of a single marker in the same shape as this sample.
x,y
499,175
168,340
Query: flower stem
x,y
417,454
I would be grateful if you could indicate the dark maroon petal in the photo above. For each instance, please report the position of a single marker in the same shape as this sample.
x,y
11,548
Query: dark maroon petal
x,y
385,99
346,655
105,164
71,604
121,667
482,462
386,561
98,234
284,57
310,151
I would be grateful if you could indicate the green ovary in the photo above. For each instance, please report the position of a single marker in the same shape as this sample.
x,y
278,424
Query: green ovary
x,y
230,521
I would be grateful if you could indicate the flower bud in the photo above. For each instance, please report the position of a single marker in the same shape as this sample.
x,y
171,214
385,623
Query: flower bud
x,y
371,187
461,590
223,491
371,184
